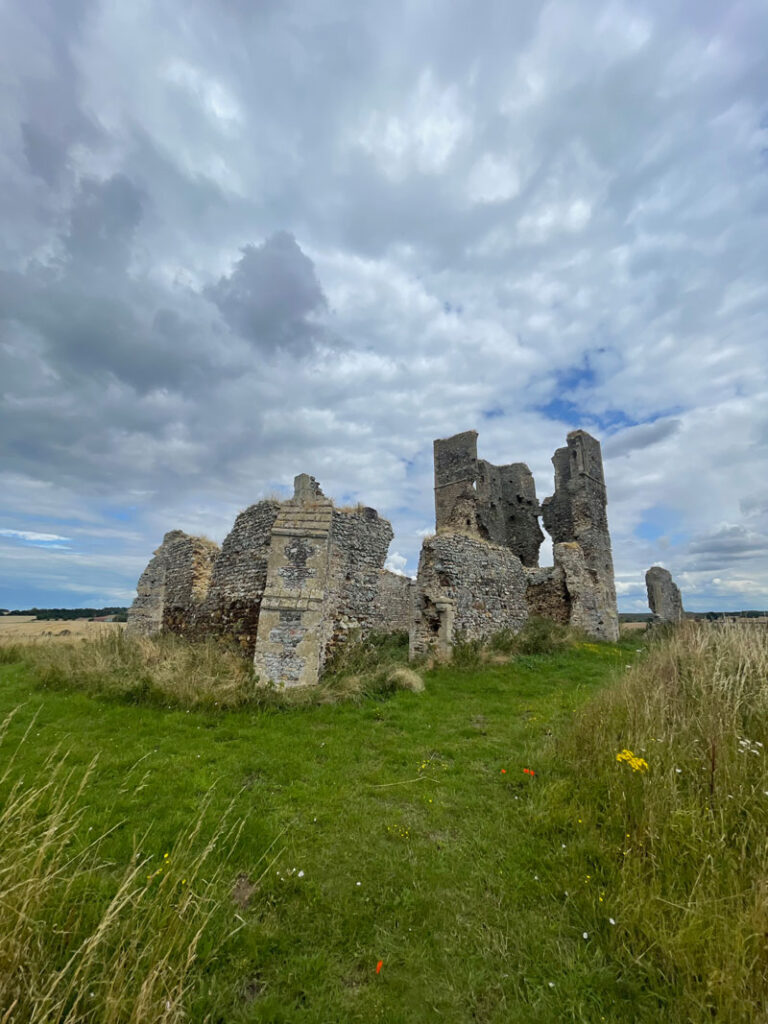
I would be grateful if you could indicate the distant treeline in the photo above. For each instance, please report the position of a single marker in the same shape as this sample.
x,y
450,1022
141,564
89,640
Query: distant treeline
x,y
44,614
752,613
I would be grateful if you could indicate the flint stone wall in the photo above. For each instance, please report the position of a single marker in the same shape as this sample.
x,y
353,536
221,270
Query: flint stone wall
x,y
231,608
173,585
664,597
547,596
363,597
466,588
497,503
325,583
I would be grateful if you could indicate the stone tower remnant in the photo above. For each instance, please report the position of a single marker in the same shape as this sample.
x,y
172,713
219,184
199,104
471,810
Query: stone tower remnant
x,y
498,503
664,597
481,573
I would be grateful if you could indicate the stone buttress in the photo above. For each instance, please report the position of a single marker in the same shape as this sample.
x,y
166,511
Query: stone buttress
x,y
292,633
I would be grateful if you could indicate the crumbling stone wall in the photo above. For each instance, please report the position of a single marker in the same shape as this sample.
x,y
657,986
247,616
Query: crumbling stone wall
x,y
292,580
173,585
231,608
497,503
664,597
295,579
496,506
576,513
466,588
547,596
359,591
392,607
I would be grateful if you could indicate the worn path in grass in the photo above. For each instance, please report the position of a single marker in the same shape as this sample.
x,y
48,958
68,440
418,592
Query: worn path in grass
x,y
401,830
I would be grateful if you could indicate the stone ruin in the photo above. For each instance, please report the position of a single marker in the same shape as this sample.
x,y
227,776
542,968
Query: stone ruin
x,y
664,598
294,579
290,582
480,572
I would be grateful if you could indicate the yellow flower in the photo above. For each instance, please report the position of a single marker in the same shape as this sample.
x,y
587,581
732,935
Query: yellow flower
x,y
637,764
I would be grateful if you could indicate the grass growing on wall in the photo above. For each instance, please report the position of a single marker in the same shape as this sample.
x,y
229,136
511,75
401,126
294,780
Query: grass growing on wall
x,y
480,840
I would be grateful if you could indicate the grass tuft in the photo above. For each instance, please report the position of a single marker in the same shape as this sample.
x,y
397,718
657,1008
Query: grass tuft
x,y
86,939
668,773
164,669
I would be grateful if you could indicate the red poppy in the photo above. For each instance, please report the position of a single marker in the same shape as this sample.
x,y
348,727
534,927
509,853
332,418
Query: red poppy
x,y
503,771
378,966
529,771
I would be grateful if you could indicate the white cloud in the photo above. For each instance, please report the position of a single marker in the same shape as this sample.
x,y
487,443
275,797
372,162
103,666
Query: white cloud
x,y
32,537
524,219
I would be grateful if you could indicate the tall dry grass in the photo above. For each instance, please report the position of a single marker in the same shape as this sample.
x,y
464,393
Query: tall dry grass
x,y
681,846
86,940
165,669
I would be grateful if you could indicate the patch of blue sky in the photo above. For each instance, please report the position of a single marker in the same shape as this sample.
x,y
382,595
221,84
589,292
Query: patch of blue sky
x,y
492,414
661,521
122,514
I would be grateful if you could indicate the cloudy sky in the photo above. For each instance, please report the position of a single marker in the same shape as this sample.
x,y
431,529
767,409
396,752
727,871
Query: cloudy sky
x,y
244,239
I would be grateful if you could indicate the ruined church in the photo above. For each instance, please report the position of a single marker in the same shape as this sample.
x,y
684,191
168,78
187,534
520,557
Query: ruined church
x,y
295,579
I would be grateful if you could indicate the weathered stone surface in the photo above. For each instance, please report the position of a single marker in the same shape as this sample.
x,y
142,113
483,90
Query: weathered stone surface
x,y
477,503
325,583
468,588
583,596
576,512
292,581
497,503
231,608
173,585
547,595
293,629
664,597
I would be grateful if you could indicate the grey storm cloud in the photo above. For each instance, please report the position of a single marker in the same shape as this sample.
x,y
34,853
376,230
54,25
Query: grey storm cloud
x,y
642,436
271,294
102,223
313,237
729,542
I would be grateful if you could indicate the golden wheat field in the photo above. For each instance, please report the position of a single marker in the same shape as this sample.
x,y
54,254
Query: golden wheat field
x,y
24,629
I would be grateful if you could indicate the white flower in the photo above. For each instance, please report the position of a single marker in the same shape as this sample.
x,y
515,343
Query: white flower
x,y
301,874
585,935
611,921
679,771
358,883
551,984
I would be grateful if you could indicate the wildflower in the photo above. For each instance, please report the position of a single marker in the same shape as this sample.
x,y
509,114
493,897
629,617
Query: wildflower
x,y
611,921
379,966
585,935
529,771
503,771
301,874
358,883
551,984
637,764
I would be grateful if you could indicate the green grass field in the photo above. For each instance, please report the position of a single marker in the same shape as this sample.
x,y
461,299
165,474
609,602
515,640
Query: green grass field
x,y
404,829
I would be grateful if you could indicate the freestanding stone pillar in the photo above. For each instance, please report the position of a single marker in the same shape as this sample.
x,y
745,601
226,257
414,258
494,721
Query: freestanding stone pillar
x,y
664,597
